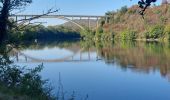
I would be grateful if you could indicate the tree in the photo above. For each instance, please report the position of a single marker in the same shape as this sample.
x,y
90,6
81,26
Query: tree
x,y
7,6
144,4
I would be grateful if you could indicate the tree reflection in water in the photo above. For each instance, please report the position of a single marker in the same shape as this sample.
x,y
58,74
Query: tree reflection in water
x,y
139,56
21,83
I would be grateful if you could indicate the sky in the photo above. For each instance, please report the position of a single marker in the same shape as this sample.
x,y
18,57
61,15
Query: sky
x,y
78,7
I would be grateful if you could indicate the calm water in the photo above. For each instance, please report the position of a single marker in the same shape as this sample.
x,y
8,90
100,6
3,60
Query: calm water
x,y
103,71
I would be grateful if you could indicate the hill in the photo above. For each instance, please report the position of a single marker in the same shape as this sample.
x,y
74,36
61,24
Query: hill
x,y
127,23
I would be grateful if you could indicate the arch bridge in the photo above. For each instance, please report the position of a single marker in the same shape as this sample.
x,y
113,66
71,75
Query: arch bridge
x,y
68,18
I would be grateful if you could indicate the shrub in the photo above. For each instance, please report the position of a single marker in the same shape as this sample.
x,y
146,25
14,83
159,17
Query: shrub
x,y
117,19
163,19
167,31
132,11
128,35
108,36
155,32
98,35
157,12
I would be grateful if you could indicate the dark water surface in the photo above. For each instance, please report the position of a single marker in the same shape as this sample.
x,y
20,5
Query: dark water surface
x,y
103,71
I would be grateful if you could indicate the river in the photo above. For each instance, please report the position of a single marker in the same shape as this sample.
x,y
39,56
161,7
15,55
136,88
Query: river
x,y
119,70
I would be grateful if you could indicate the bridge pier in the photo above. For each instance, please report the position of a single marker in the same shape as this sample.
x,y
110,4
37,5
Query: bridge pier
x,y
89,23
106,20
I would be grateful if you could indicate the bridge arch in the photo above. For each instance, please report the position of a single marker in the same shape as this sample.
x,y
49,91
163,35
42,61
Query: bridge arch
x,y
69,20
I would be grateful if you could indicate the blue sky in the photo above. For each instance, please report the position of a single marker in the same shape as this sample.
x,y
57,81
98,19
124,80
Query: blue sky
x,y
78,7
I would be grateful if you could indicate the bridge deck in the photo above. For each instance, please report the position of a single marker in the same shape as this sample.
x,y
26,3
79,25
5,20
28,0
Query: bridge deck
x,y
56,16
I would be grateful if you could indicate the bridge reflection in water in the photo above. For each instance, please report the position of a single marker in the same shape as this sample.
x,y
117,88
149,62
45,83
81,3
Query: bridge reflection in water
x,y
21,57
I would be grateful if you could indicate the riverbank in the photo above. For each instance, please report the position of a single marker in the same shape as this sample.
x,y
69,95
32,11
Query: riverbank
x,y
127,24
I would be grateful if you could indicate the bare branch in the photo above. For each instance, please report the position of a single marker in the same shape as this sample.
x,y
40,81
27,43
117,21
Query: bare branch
x,y
50,11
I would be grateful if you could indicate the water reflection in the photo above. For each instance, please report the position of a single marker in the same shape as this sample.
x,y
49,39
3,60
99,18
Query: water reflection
x,y
104,68
139,56
59,53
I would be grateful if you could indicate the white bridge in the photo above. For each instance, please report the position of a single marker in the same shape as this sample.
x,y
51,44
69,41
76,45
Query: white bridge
x,y
68,18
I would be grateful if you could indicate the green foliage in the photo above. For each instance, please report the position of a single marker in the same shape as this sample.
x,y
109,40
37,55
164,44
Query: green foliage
x,y
109,13
6,9
87,34
110,19
128,35
30,33
98,35
102,22
167,31
123,10
24,82
157,12
19,81
163,19
108,36
155,32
